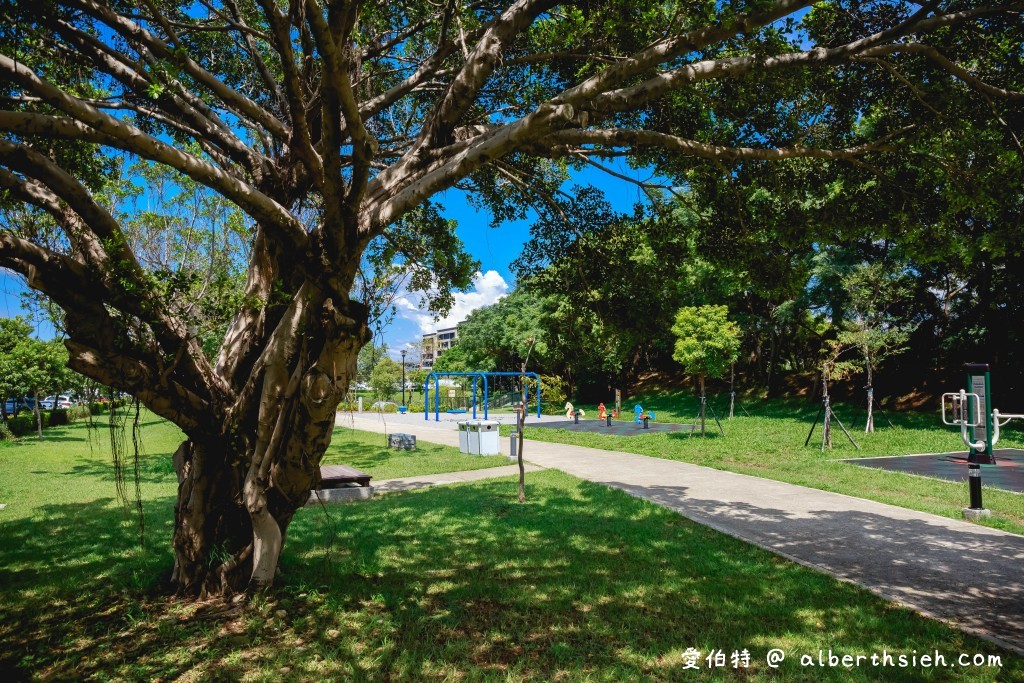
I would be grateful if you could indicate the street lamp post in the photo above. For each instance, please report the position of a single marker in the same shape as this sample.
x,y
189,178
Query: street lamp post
x,y
403,377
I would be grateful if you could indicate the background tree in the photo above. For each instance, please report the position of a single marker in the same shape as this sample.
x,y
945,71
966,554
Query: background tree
x,y
385,378
30,367
834,366
707,344
13,384
330,127
454,359
43,371
417,377
368,358
872,324
492,337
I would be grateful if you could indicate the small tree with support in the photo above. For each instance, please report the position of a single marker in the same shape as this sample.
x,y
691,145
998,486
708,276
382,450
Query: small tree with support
x,y
832,368
707,343
872,328
732,393
521,421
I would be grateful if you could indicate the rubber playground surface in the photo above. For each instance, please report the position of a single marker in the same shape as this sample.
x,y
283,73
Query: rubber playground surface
x,y
1007,473
618,428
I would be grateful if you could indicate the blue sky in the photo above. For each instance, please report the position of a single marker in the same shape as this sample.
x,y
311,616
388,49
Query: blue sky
x,y
496,249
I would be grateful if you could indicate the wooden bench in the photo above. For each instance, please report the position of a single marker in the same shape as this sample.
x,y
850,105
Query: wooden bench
x,y
340,476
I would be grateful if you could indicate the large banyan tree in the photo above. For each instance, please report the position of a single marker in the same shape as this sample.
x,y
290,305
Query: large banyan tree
x,y
330,124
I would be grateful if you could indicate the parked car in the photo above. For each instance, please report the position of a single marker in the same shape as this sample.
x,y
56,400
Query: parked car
x,y
13,406
51,402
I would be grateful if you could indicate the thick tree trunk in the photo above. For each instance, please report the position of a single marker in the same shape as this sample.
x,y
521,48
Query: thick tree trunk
x,y
239,489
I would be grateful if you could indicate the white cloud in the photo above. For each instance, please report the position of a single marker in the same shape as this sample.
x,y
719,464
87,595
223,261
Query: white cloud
x,y
487,288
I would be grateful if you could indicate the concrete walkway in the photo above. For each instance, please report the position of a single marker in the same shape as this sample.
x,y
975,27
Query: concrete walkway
x,y
968,575
424,480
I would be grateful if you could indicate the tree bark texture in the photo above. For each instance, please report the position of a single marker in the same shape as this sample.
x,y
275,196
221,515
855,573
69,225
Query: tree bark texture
x,y
238,488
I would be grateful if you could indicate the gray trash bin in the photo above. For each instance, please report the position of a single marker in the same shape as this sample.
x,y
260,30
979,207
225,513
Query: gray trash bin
x,y
463,437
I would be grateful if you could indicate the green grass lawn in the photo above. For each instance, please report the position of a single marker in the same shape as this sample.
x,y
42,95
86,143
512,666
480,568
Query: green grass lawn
x,y
770,444
582,583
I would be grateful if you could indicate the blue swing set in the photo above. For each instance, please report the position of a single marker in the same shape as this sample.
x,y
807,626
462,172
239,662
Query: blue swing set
x,y
435,377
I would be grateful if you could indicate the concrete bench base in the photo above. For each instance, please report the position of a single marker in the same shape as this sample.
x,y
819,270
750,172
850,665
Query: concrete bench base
x,y
343,494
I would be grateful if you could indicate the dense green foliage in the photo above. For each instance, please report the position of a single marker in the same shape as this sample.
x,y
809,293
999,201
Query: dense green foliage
x,y
29,368
707,342
385,379
613,285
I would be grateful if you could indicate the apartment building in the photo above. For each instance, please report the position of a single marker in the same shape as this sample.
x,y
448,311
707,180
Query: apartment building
x,y
435,344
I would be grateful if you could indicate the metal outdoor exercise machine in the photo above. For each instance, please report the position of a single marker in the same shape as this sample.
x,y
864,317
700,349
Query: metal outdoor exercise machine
x,y
979,428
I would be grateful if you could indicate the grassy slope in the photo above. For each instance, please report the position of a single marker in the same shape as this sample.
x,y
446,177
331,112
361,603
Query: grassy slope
x,y
454,583
770,444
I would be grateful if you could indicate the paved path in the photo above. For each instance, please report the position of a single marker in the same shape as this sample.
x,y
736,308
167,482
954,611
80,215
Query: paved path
x,y
968,575
423,480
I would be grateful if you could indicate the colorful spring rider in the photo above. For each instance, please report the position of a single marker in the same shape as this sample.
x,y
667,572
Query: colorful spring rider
x,y
642,417
573,414
603,414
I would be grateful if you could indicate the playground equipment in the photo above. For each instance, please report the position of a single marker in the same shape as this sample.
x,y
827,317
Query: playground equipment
x,y
574,414
603,414
476,378
642,417
979,428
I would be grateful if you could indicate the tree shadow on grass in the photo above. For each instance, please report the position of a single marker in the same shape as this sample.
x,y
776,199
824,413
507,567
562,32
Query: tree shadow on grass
x,y
454,582
619,585
153,469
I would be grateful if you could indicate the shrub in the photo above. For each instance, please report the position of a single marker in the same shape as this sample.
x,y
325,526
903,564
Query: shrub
x,y
97,408
59,416
553,394
76,413
25,423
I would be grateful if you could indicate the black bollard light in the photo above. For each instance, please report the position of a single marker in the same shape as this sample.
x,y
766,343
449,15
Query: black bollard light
x,y
609,418
974,482
646,422
977,511
576,416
